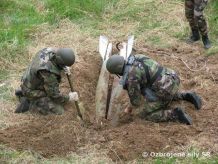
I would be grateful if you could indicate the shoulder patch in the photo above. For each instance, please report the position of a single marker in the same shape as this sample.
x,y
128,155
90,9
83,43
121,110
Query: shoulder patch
x,y
140,66
44,58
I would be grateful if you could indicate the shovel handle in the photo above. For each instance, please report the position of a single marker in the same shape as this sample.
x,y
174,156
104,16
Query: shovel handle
x,y
76,102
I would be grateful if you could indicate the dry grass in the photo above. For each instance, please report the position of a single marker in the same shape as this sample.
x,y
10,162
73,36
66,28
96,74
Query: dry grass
x,y
90,154
66,35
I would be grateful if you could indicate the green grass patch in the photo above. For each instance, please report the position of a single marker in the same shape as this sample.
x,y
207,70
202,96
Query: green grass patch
x,y
3,74
75,9
11,156
19,19
5,92
212,15
145,14
213,50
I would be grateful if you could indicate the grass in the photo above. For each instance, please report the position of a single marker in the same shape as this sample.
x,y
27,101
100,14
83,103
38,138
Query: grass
x,y
11,156
18,25
164,20
5,91
212,15
74,9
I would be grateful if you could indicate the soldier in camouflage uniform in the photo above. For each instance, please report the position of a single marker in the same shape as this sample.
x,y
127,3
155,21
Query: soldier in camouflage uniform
x,y
159,86
40,82
194,14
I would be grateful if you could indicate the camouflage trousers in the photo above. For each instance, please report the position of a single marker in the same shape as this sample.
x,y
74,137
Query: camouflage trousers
x,y
194,14
159,110
45,106
40,103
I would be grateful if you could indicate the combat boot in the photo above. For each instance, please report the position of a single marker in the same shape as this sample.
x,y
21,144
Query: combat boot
x,y
193,98
180,115
23,106
194,37
18,93
206,41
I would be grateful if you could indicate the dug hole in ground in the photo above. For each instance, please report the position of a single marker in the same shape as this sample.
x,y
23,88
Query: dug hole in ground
x,y
60,135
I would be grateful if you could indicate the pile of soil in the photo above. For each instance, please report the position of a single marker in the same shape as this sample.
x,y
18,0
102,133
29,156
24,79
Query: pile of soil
x,y
59,135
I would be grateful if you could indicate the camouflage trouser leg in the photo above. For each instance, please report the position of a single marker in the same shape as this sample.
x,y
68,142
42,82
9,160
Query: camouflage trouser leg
x,y
189,13
45,105
194,14
156,111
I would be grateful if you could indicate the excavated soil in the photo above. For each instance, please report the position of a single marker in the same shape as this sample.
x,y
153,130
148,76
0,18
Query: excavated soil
x,y
59,135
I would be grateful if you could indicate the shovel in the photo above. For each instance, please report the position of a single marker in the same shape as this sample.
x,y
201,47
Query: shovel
x,y
76,102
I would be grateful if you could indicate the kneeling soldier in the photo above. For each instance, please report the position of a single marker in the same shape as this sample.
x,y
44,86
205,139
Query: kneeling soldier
x,y
159,86
40,82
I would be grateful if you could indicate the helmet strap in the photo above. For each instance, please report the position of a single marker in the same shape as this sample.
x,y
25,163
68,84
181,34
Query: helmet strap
x,y
118,76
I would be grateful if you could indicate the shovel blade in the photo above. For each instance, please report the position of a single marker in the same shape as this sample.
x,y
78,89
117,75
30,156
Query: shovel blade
x,y
130,45
103,46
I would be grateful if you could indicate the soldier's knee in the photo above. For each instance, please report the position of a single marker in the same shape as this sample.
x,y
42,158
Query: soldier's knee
x,y
156,117
200,19
198,14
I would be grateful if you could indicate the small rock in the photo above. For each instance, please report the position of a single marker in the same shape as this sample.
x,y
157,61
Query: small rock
x,y
125,133
102,139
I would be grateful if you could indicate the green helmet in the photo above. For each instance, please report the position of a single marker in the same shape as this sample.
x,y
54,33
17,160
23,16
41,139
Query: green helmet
x,y
65,57
115,64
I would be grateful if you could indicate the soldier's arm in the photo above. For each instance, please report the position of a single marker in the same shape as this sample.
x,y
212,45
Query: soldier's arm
x,y
51,86
133,87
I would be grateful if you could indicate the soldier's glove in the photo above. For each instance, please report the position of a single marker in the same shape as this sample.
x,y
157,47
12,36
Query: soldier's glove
x,y
73,96
67,70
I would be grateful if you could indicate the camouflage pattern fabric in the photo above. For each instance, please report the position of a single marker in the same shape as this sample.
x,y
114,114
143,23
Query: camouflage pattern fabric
x,y
164,88
194,14
46,105
40,84
157,111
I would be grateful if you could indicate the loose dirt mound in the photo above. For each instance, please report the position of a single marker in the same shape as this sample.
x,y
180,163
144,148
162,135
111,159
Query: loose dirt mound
x,y
59,135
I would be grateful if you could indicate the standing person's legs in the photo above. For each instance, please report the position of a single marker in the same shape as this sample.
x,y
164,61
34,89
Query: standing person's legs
x,y
201,21
189,13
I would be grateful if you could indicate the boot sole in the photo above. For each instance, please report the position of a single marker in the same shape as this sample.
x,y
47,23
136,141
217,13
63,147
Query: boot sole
x,y
197,98
183,117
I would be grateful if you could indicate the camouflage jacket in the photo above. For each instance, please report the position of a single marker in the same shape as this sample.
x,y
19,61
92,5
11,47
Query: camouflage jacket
x,y
42,78
164,85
